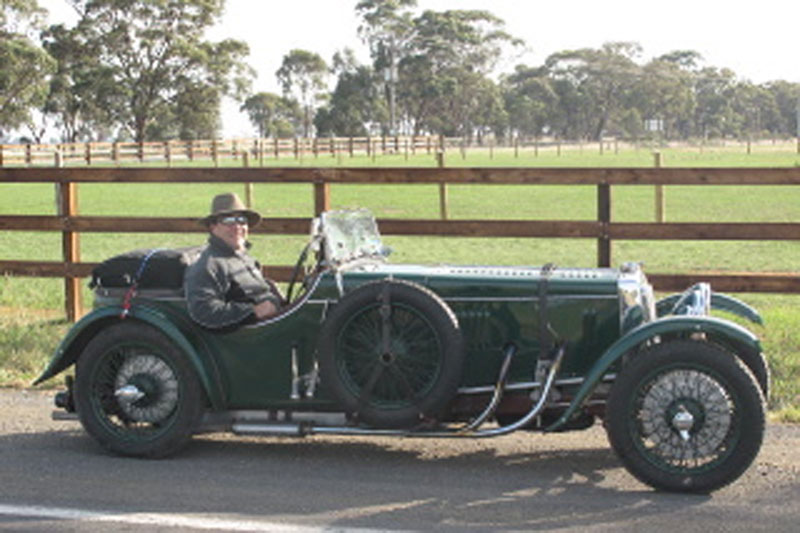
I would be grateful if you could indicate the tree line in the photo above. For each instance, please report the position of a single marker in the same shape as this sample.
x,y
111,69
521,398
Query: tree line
x,y
143,70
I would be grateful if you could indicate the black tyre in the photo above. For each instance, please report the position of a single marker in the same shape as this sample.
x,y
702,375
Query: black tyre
x,y
686,416
391,353
136,393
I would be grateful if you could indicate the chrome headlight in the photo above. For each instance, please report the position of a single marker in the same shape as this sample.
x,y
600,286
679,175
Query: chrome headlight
x,y
637,302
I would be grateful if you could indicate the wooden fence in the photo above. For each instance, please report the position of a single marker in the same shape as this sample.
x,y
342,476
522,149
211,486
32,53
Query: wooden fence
x,y
260,149
70,223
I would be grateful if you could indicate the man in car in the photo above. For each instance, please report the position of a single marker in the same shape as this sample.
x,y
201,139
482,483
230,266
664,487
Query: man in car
x,y
225,287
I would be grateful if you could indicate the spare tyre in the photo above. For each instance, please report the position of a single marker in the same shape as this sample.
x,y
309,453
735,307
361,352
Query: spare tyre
x,y
391,353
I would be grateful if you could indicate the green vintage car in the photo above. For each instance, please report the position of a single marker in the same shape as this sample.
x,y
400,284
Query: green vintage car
x,y
365,347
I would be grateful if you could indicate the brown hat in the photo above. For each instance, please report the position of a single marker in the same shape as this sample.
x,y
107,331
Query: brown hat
x,y
230,204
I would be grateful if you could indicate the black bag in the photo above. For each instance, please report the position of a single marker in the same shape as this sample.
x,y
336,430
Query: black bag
x,y
149,269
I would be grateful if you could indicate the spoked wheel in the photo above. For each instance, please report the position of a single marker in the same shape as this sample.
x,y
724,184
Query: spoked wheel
x,y
391,352
686,416
135,392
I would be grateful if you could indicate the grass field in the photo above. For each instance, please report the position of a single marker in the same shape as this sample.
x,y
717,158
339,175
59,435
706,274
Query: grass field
x,y
31,320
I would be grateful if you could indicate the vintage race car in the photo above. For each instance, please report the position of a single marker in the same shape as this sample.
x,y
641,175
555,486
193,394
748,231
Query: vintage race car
x,y
365,347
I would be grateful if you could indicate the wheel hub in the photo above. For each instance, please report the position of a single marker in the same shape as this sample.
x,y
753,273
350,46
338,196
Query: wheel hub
x,y
146,388
685,415
683,422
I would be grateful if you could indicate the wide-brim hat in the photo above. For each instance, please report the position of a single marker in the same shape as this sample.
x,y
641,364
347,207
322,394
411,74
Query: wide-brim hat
x,y
230,204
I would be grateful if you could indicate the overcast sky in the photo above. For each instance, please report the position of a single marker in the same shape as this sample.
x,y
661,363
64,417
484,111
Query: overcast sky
x,y
757,40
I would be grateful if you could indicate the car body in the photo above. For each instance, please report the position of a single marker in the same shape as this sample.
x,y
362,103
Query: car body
x,y
372,348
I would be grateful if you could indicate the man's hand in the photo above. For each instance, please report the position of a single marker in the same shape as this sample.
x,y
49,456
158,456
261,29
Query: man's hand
x,y
265,309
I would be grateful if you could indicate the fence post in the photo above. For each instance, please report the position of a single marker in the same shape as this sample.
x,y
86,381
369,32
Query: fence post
x,y
167,153
70,246
248,187
604,218
322,197
659,197
516,147
442,187
214,152
1,153
28,154
88,153
141,151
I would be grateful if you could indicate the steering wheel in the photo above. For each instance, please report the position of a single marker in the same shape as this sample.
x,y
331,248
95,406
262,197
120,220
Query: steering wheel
x,y
298,267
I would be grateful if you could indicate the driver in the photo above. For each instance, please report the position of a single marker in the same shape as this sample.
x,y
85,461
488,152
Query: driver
x,y
225,287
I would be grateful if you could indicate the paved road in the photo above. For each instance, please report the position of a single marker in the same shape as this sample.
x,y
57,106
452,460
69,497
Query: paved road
x,y
53,477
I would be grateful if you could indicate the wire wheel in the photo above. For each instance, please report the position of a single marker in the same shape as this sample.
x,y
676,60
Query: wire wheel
x,y
391,352
686,416
135,392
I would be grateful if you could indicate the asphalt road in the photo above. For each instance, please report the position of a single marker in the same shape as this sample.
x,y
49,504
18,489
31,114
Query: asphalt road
x,y
54,478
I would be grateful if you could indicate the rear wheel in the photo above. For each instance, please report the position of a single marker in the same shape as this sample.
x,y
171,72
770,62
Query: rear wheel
x,y
686,416
391,353
136,393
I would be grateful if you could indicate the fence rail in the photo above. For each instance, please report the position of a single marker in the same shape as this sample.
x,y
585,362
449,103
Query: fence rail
x,y
261,149
70,223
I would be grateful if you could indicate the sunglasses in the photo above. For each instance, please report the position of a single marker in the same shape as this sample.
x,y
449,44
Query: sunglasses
x,y
231,220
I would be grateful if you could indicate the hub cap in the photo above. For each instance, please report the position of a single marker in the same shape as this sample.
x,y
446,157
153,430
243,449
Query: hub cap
x,y
146,388
685,417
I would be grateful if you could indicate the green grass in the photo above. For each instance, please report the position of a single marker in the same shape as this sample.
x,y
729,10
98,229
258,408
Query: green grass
x,y
31,308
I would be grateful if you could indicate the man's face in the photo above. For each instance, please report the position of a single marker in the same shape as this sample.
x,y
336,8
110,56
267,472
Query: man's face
x,y
232,229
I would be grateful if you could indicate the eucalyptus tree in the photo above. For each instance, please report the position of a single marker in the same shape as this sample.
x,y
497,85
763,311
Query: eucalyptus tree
x,y
665,92
530,101
441,81
273,115
79,87
356,104
600,81
303,75
24,65
387,28
155,55
714,116
787,100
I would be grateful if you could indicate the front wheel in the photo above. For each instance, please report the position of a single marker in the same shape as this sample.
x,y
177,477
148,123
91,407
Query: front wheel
x,y
686,416
136,393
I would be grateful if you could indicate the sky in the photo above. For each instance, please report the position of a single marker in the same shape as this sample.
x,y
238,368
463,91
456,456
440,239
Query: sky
x,y
757,40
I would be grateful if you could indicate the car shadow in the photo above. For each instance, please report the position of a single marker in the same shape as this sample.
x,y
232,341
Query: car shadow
x,y
376,483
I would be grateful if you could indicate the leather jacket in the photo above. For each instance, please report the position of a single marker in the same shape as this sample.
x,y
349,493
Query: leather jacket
x,y
223,285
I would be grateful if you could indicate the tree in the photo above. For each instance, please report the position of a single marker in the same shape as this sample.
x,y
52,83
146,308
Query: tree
x,y
153,53
442,75
665,91
529,100
24,66
78,88
787,100
356,104
303,73
272,115
713,114
603,80
387,30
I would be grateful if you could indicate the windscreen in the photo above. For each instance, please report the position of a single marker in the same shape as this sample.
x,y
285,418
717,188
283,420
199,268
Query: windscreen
x,y
349,235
